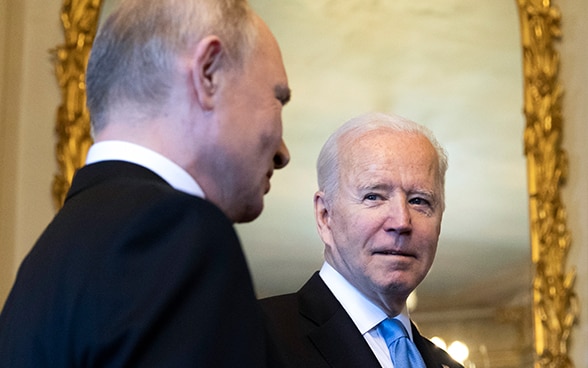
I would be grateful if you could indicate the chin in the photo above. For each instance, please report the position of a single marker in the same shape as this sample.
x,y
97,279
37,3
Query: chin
x,y
249,214
398,286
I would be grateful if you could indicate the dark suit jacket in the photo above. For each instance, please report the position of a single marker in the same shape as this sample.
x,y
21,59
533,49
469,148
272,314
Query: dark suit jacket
x,y
133,273
314,331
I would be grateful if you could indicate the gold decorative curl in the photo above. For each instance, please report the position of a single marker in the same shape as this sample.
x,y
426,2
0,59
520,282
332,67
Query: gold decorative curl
x,y
555,304
80,21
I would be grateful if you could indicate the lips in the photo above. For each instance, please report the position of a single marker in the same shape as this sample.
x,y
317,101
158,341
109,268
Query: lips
x,y
267,188
268,184
392,252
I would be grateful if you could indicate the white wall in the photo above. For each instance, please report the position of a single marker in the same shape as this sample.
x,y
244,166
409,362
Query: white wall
x,y
7,134
29,98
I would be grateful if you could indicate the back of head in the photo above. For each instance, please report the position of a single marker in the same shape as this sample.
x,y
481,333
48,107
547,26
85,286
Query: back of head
x,y
134,56
329,157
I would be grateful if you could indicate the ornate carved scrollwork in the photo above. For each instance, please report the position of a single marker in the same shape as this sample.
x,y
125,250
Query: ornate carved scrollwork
x,y
555,305
80,21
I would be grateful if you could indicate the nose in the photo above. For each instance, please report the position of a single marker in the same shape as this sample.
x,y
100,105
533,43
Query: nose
x,y
399,218
282,156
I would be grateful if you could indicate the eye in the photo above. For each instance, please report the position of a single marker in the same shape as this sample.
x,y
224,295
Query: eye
x,y
419,201
372,197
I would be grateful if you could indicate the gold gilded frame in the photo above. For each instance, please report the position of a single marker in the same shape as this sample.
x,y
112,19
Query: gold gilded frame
x,y
80,21
555,305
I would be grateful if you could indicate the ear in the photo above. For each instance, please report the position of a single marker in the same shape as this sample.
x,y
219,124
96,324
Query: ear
x,y
208,58
322,215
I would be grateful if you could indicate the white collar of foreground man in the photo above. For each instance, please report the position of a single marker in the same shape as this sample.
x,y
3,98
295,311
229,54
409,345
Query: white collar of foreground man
x,y
171,172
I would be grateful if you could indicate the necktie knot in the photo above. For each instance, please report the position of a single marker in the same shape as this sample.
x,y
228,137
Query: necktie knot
x,y
392,330
403,352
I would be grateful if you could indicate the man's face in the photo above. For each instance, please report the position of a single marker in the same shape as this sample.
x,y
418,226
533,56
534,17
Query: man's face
x,y
382,227
251,131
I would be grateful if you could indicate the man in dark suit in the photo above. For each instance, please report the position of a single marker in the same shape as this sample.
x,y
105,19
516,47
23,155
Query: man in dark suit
x,y
142,266
378,212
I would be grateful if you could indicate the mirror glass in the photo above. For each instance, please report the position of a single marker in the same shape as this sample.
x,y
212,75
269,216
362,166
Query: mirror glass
x,y
454,66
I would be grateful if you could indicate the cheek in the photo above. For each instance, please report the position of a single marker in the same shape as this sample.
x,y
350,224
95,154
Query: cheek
x,y
268,144
353,234
428,244
273,120
266,136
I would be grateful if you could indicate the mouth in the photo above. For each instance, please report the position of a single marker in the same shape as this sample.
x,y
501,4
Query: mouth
x,y
268,183
267,188
391,252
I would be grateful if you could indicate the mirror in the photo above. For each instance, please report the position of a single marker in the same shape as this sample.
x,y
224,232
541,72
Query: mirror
x,y
452,65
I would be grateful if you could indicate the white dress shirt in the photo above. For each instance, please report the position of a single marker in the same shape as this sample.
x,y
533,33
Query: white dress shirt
x,y
365,314
171,172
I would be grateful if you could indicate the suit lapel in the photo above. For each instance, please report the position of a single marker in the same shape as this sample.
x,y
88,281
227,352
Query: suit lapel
x,y
432,355
336,337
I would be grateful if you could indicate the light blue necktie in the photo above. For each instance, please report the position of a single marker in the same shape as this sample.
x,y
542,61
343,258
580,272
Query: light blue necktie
x,y
403,352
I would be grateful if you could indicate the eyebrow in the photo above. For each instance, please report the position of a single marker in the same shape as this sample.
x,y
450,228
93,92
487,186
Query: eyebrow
x,y
375,186
283,93
387,187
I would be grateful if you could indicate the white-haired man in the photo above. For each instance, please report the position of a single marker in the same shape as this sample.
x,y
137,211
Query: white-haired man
x,y
378,212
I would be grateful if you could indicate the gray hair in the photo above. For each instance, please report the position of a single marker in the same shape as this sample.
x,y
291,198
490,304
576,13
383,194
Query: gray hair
x,y
135,50
328,160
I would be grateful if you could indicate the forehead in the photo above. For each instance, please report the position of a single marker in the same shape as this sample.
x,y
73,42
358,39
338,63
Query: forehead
x,y
387,151
266,48
264,66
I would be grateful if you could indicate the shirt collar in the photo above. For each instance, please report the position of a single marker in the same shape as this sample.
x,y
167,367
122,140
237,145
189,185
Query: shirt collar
x,y
171,172
365,314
